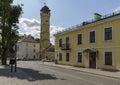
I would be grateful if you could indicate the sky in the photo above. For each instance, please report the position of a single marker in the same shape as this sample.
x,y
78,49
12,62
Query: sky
x,y
64,13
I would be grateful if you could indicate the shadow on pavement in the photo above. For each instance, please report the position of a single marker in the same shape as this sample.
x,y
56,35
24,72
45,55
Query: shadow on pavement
x,y
25,74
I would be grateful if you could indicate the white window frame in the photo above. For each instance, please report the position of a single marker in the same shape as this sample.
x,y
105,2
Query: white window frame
x,y
104,34
112,58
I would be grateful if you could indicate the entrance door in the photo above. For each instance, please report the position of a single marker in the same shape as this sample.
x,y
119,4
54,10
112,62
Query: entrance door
x,y
92,60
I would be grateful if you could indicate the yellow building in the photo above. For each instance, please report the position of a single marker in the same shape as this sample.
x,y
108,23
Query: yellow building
x,y
92,44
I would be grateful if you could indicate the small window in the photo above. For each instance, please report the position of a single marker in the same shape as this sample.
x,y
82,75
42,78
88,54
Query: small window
x,y
60,56
34,50
79,39
79,59
108,58
108,34
92,36
67,57
60,42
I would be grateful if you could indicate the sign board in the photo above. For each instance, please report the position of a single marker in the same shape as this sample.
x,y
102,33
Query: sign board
x,y
15,47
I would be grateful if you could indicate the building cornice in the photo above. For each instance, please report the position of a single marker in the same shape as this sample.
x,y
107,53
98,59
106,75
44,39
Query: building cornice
x,y
108,19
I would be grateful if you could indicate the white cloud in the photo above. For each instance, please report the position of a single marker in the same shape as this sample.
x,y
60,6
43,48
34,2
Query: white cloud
x,y
32,26
117,9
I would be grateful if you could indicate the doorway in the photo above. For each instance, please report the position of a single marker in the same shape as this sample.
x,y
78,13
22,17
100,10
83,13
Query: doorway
x,y
92,60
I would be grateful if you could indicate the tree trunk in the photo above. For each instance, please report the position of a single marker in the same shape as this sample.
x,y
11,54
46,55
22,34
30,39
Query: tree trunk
x,y
4,58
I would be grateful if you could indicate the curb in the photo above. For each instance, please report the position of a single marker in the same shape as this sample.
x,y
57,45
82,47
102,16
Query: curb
x,y
82,71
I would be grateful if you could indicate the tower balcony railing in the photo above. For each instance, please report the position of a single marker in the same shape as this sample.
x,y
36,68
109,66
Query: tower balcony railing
x,y
65,46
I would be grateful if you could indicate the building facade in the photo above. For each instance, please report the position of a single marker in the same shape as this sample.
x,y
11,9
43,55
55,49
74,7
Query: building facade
x,y
28,48
45,30
50,53
92,44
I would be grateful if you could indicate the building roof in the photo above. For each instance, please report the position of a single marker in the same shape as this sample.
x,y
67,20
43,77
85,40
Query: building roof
x,y
50,49
27,38
86,23
45,9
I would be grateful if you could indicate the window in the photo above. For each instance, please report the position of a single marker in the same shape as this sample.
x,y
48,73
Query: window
x,y
60,42
60,56
67,42
67,57
79,57
79,39
108,58
34,50
92,36
108,33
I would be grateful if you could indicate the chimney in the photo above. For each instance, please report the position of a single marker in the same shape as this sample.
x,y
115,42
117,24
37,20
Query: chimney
x,y
97,16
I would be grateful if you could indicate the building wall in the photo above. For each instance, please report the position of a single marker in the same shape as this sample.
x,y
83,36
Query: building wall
x,y
28,50
100,44
50,55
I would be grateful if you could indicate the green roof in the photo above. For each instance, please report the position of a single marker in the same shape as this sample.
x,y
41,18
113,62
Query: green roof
x,y
89,22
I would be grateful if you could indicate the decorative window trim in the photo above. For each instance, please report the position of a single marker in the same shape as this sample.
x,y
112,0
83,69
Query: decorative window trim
x,y
104,34
104,58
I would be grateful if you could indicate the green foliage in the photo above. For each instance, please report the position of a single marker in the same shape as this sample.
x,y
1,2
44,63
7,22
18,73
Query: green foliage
x,y
9,19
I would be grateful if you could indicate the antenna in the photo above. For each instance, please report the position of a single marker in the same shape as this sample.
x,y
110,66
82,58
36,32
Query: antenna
x,y
44,1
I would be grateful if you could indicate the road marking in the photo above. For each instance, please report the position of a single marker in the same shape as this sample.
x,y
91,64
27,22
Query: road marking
x,y
75,77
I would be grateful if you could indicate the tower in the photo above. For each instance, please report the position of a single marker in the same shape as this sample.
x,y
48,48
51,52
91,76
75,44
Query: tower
x,y
45,30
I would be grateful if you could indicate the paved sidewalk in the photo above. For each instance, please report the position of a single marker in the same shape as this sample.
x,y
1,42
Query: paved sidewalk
x,y
15,78
88,70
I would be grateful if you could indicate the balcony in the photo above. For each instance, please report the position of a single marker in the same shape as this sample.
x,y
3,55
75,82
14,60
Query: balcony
x,y
65,47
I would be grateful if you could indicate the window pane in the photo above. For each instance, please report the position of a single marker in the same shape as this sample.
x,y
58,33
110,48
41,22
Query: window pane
x,y
108,58
60,42
79,57
92,37
79,38
67,56
108,33
60,56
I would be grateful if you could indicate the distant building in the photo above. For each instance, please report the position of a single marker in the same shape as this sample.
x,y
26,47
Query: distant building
x,y
28,48
50,53
92,44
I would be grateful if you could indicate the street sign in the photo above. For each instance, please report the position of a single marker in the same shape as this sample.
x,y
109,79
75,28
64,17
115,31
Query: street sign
x,y
15,47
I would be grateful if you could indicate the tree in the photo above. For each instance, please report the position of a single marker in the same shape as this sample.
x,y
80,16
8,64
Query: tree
x,y
9,18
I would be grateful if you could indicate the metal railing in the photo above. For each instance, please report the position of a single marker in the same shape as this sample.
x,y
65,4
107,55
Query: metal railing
x,y
65,46
89,22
